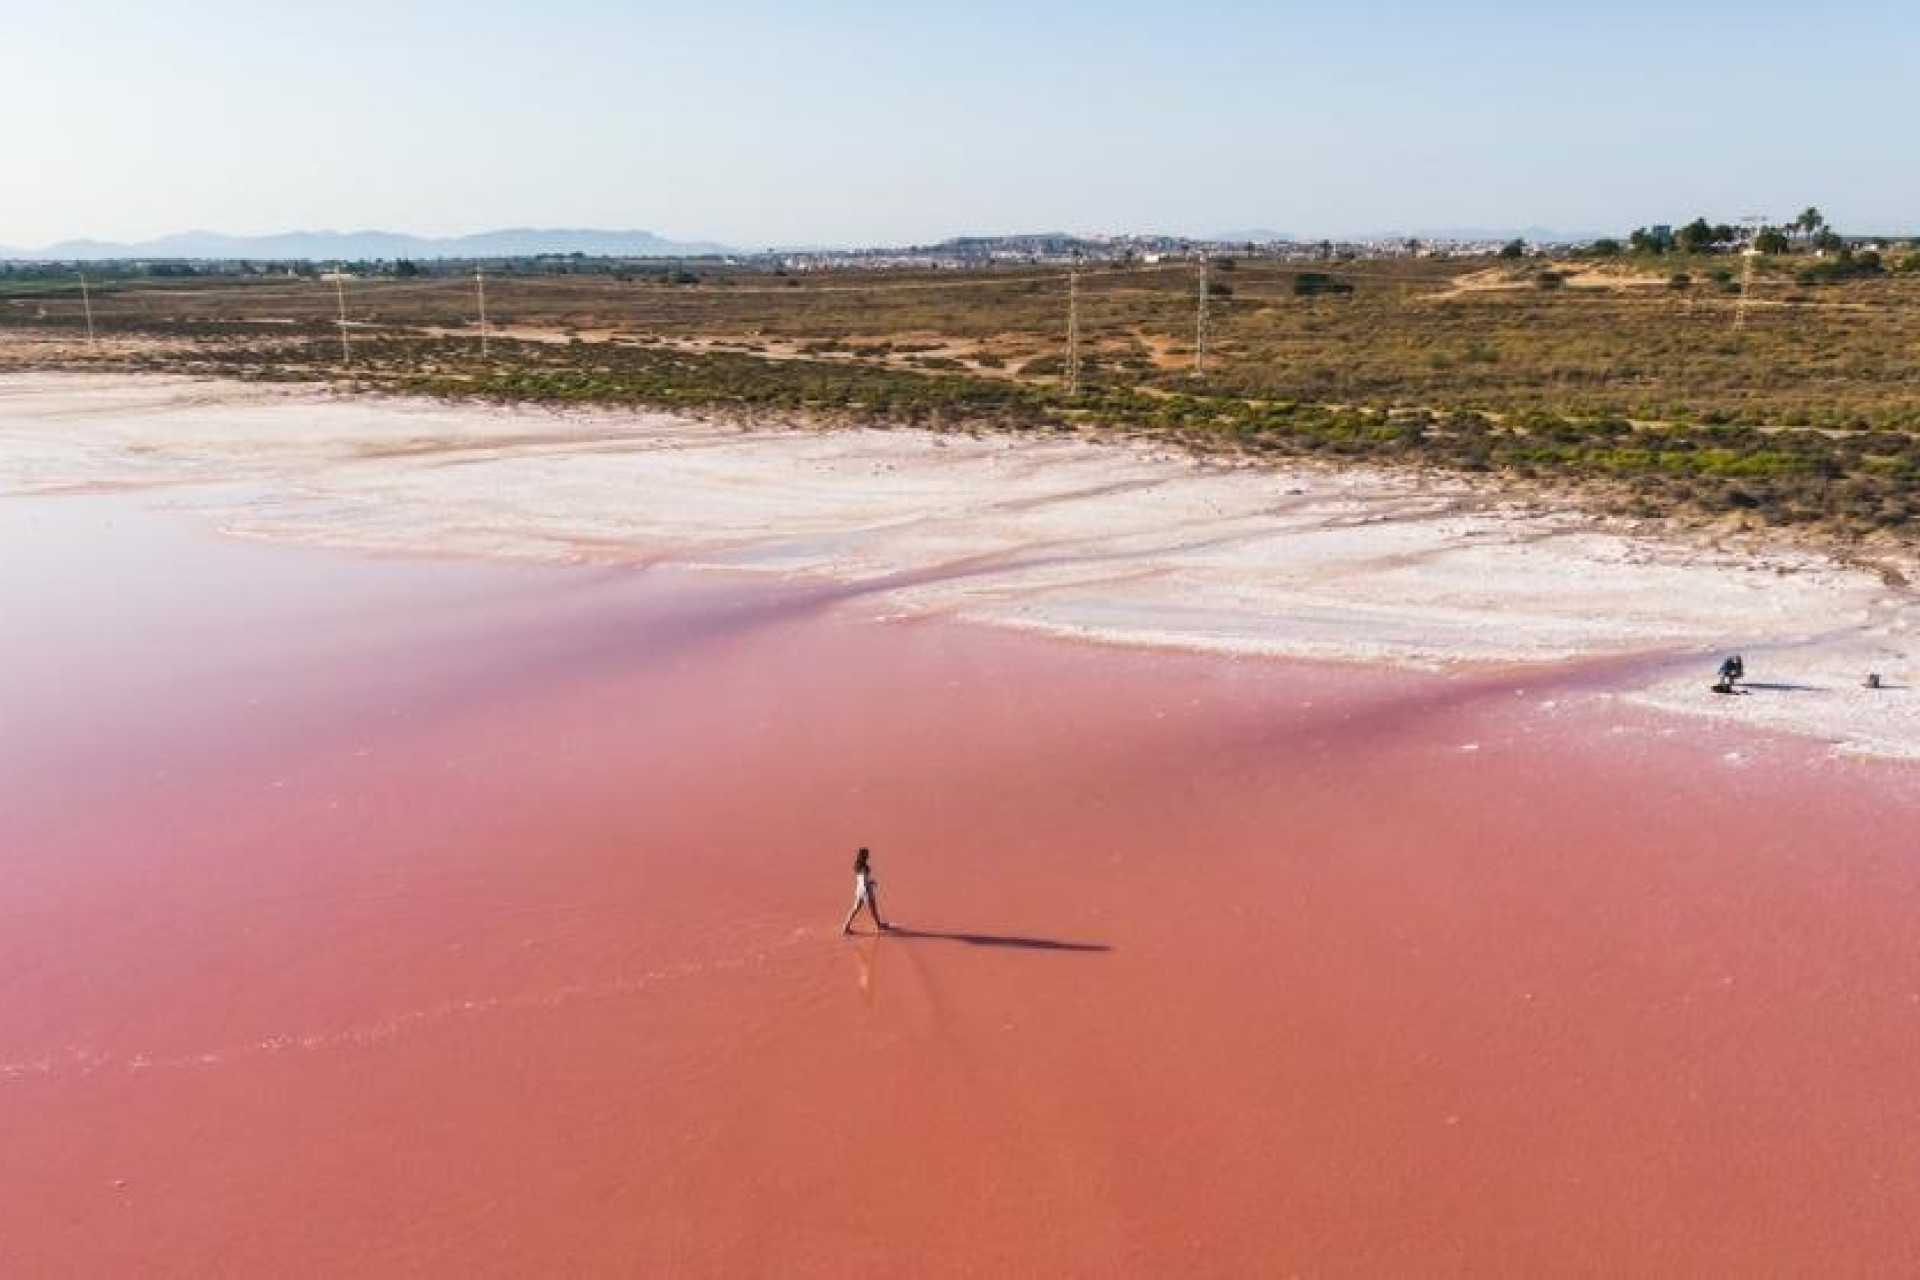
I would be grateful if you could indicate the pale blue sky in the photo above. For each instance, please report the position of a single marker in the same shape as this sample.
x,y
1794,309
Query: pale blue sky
x,y
758,123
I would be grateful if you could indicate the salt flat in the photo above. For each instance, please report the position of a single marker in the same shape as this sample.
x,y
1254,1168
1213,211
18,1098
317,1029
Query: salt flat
x,y
1122,542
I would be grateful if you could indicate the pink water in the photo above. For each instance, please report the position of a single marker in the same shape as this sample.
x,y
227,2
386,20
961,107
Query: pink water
x,y
428,916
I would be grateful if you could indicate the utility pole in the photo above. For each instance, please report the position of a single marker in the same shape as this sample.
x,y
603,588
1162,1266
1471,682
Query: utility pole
x,y
86,302
340,292
1754,226
480,289
1200,325
1073,335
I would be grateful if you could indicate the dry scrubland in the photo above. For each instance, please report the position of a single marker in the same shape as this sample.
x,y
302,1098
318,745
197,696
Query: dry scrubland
x,y
1641,394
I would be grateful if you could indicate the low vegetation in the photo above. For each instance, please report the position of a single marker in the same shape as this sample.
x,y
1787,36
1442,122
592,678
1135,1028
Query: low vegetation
x,y
1584,373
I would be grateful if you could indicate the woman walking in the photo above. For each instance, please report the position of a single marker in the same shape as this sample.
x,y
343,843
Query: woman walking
x,y
866,892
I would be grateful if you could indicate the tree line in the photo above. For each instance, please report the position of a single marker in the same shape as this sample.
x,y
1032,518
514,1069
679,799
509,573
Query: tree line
x,y
1810,232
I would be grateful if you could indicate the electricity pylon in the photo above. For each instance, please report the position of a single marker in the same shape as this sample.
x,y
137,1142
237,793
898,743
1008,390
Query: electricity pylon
x,y
1073,334
86,303
1754,226
340,293
480,291
1200,326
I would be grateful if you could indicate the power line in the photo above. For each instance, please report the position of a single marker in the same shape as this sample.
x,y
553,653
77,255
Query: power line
x,y
1116,282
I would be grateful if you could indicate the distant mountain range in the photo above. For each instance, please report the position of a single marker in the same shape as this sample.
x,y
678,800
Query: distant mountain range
x,y
324,246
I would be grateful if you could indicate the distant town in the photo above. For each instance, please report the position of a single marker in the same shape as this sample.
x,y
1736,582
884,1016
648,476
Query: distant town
x,y
958,254
641,253
1060,250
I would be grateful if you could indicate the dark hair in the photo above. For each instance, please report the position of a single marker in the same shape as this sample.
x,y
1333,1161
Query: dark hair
x,y
860,859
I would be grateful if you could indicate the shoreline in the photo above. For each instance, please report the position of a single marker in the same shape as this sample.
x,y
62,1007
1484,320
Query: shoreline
x,y
1612,503
1119,541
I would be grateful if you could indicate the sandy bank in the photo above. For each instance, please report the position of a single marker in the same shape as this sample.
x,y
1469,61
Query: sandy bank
x,y
1124,543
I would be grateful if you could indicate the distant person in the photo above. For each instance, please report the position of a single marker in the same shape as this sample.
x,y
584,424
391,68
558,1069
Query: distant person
x,y
1731,671
866,892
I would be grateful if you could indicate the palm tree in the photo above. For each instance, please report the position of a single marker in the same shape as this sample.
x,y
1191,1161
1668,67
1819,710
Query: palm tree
x,y
1809,222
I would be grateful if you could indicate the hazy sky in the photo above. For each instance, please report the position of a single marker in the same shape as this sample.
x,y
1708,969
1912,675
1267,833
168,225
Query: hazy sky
x,y
831,122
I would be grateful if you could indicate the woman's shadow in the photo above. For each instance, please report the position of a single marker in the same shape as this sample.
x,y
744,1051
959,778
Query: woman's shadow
x,y
993,940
